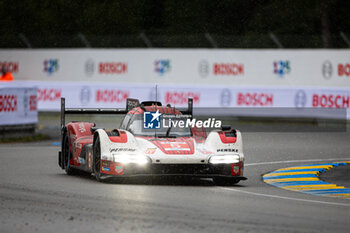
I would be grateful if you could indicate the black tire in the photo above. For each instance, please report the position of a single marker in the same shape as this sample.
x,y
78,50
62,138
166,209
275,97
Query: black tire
x,y
67,155
225,181
97,159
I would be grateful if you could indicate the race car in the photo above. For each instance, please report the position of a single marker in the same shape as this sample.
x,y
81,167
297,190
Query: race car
x,y
152,140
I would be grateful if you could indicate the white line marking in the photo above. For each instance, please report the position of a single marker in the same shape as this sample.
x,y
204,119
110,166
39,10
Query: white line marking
x,y
294,161
286,198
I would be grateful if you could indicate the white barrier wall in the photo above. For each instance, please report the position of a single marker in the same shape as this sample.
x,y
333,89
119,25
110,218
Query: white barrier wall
x,y
300,79
282,68
108,95
18,105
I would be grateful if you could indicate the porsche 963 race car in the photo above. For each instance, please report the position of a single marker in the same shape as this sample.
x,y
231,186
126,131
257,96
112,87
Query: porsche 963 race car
x,y
152,140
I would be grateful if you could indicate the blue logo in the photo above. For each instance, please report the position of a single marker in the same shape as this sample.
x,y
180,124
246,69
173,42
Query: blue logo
x,y
281,68
51,66
162,66
151,120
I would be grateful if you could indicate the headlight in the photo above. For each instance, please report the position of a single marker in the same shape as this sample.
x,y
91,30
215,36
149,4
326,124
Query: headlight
x,y
125,159
224,159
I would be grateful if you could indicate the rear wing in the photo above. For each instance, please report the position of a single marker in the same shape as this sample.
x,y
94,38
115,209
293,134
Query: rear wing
x,y
130,104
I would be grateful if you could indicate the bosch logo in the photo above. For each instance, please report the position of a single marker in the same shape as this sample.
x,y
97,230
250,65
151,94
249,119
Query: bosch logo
x,y
85,95
112,67
327,69
49,94
178,98
330,101
203,68
228,69
8,103
10,66
225,98
254,99
300,99
89,67
344,70
111,96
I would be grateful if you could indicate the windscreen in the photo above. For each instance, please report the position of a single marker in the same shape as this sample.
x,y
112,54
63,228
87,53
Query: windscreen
x,y
167,126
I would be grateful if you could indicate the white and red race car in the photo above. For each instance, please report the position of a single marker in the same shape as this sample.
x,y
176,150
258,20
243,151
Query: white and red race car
x,y
141,146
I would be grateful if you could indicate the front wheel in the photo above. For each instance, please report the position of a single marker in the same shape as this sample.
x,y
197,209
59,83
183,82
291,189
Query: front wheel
x,y
225,181
97,159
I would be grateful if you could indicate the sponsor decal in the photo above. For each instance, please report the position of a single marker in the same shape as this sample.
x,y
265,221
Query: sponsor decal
x,y
281,68
228,69
77,145
51,66
203,68
344,70
81,128
162,66
89,67
113,67
151,120
119,169
111,96
327,69
73,137
8,103
49,94
227,150
181,97
122,150
105,163
235,169
85,95
10,66
300,99
106,169
254,99
81,160
150,151
225,98
330,101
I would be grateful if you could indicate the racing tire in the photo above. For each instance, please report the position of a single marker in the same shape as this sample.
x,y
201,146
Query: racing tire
x,y
225,181
97,159
67,155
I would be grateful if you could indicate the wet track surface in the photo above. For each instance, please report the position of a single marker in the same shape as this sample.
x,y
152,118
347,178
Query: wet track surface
x,y
37,196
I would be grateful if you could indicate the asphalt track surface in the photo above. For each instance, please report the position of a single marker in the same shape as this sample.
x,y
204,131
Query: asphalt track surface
x,y
37,196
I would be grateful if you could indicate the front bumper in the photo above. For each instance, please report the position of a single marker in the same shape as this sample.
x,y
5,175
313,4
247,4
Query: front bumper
x,y
111,169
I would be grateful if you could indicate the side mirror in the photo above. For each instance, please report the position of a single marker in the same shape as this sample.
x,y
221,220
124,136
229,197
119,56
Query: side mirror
x,y
226,127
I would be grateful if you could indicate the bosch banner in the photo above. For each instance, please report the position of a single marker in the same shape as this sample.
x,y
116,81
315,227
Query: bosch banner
x,y
18,105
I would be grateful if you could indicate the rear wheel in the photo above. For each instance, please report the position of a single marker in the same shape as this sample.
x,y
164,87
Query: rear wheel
x,y
225,181
67,155
97,159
